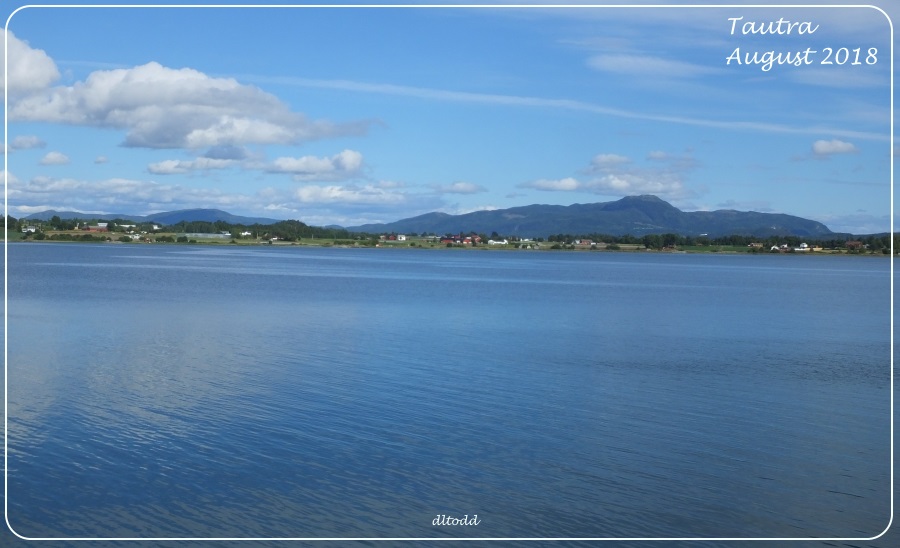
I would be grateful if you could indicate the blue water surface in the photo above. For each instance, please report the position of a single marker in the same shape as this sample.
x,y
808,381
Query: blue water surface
x,y
217,391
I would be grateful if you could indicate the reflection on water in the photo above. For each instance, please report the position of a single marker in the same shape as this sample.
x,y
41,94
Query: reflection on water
x,y
161,391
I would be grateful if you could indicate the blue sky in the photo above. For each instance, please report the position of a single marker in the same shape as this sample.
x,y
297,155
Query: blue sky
x,y
349,116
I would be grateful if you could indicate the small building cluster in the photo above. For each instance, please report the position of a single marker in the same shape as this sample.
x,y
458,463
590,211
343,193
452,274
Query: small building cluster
x,y
461,239
784,248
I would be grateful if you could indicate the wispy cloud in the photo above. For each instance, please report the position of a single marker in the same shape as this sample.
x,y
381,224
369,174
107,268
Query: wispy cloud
x,y
459,187
647,66
567,184
23,142
559,103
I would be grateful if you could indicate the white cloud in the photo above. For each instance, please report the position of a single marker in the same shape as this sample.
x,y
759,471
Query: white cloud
x,y
629,184
29,69
101,160
614,175
117,195
553,184
834,146
459,187
54,159
23,142
368,194
160,107
342,166
169,167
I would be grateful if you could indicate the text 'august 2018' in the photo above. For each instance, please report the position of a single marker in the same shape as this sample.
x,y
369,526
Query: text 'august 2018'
x,y
797,57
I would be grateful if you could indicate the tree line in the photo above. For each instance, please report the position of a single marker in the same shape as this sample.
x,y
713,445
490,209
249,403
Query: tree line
x,y
874,242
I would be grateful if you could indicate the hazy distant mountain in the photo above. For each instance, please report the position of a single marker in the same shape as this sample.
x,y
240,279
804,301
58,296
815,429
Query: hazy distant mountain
x,y
635,215
164,218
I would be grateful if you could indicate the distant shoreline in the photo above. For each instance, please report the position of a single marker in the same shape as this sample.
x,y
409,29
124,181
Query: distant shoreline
x,y
543,247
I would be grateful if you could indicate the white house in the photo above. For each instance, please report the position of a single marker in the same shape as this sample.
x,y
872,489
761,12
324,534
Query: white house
x,y
401,237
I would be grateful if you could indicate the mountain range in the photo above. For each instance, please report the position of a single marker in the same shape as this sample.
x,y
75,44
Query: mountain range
x,y
635,215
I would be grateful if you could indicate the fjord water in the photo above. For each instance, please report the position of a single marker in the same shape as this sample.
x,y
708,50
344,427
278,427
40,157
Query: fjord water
x,y
205,391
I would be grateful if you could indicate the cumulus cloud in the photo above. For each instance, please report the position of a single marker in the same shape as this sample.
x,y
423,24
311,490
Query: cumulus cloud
x,y
615,175
54,159
834,146
629,184
170,167
459,187
161,107
23,142
29,69
342,166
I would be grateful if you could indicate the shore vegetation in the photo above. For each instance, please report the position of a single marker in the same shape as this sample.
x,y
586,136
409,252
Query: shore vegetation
x,y
123,231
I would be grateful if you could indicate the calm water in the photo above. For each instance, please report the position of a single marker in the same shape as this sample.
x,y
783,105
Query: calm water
x,y
189,391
